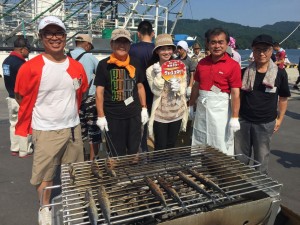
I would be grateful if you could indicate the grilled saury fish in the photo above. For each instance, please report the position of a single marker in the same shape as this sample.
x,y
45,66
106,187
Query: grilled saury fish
x,y
206,181
72,174
171,191
109,167
95,169
156,191
91,207
103,199
194,185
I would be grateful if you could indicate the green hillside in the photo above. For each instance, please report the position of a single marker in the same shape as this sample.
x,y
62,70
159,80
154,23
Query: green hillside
x,y
243,34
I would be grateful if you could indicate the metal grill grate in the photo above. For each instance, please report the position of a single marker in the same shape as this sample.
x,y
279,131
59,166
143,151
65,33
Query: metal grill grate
x,y
132,201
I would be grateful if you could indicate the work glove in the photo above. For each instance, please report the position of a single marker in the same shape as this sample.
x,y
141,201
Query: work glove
x,y
175,85
144,116
157,69
102,123
191,112
234,124
188,92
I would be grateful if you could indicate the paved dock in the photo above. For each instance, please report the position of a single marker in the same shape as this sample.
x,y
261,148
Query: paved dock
x,y
18,198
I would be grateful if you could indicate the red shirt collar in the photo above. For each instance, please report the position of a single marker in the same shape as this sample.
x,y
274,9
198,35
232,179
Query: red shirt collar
x,y
14,53
224,58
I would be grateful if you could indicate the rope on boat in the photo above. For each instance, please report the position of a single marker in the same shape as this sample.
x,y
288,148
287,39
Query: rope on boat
x,y
290,34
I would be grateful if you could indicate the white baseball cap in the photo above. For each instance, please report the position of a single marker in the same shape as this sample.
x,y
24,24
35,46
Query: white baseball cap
x,y
183,44
51,20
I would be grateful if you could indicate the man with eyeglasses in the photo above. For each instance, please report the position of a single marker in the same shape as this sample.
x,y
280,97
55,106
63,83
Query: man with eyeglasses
x,y
19,145
120,96
49,89
264,91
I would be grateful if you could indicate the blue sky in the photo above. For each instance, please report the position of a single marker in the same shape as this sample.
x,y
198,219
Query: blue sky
x,y
254,13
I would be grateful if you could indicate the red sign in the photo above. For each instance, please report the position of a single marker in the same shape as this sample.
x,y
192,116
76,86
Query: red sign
x,y
172,69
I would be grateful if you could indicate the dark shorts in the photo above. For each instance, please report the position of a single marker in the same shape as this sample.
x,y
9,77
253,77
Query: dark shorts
x,y
88,118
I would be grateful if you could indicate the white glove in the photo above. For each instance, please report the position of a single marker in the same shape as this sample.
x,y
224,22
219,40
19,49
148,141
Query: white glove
x,y
188,92
175,85
234,124
191,112
157,68
144,116
102,123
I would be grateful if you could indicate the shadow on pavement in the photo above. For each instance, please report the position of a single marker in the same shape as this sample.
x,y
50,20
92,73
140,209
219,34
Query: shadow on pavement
x,y
288,160
293,115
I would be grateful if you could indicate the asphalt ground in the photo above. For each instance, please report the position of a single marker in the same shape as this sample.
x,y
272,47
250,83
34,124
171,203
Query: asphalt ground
x,y
19,202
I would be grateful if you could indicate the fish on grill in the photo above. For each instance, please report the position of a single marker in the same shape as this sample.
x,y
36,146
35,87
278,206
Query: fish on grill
x,y
194,185
170,190
156,191
91,206
109,165
95,169
206,181
103,199
72,174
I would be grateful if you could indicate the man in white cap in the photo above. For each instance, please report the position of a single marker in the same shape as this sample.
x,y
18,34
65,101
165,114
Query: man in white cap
x,y
88,113
120,96
49,89
182,49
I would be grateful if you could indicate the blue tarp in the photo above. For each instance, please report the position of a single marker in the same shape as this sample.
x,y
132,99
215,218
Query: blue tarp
x,y
183,37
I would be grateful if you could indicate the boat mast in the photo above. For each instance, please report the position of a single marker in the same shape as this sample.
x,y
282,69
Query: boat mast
x,y
179,14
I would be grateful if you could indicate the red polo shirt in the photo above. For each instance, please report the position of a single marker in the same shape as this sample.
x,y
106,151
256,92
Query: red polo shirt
x,y
224,74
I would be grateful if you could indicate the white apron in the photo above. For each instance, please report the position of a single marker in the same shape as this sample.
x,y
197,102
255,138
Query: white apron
x,y
211,121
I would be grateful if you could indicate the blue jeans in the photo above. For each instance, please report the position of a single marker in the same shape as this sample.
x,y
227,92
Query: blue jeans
x,y
256,137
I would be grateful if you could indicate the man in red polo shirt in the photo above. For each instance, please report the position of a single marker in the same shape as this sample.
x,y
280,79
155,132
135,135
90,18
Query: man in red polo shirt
x,y
217,91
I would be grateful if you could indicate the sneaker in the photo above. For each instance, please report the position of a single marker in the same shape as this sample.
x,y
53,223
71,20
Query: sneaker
x,y
14,153
28,153
45,216
296,87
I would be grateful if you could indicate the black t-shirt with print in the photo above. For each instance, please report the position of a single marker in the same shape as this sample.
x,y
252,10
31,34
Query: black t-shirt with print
x,y
259,105
119,86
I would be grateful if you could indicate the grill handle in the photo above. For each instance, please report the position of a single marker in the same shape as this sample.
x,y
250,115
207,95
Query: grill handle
x,y
255,162
42,196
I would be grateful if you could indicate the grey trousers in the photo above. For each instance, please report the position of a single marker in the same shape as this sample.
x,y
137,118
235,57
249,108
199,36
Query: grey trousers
x,y
256,137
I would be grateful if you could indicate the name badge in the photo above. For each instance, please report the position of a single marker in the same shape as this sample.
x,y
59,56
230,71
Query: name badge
x,y
76,83
128,100
271,90
215,89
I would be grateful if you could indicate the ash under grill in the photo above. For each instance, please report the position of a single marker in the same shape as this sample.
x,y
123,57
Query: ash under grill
x,y
132,201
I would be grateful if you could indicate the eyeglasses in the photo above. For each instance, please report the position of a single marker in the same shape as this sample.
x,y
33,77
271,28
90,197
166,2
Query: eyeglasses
x,y
261,50
49,35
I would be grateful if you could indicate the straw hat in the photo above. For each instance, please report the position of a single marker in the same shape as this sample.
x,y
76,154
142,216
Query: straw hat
x,y
163,40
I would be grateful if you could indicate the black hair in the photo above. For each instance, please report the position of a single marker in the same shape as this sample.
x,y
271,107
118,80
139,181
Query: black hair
x,y
145,28
216,31
21,42
276,44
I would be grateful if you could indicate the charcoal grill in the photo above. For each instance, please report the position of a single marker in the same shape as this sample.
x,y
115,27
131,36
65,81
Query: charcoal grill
x,y
251,197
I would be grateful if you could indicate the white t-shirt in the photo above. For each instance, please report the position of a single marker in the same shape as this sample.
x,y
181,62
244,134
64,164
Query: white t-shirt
x,y
56,104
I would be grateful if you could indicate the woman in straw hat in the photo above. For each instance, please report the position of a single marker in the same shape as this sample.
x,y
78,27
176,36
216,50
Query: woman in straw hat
x,y
169,109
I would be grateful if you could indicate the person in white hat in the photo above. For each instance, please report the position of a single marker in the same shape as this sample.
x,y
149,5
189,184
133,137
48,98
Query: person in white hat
x,y
169,109
120,96
49,89
190,65
91,133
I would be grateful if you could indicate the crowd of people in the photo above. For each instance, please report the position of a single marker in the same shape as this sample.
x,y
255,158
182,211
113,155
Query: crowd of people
x,y
59,100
